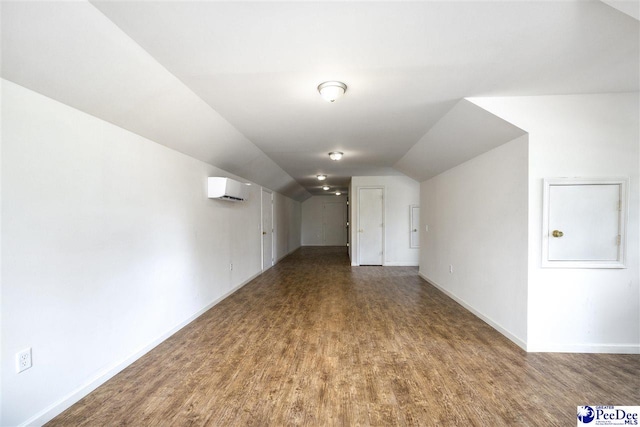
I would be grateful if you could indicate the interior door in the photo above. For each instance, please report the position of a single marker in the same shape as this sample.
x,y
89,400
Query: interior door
x,y
583,222
334,218
267,229
414,239
370,226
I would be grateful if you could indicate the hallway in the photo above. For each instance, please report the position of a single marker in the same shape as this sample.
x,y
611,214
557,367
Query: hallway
x,y
314,341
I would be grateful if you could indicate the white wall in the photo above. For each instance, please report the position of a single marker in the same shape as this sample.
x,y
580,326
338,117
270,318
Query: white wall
x,y
477,218
287,223
400,193
583,310
313,220
107,74
350,220
109,245
1,259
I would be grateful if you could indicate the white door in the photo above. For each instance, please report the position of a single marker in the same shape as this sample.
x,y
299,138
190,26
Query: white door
x,y
415,227
267,229
370,226
334,219
583,222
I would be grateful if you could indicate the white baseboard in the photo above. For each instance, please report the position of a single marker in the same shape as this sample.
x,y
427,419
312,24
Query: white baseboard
x,y
286,255
495,325
584,348
66,402
282,257
400,264
542,347
323,245
390,264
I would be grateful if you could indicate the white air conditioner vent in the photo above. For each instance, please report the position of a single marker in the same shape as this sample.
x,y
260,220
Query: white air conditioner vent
x,y
226,189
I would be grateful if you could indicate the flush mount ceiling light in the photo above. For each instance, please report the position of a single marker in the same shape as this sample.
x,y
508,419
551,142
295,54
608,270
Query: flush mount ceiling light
x,y
325,187
336,155
338,193
322,177
331,91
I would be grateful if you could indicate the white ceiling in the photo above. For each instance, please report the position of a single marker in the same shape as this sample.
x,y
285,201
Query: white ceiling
x,y
630,7
466,131
234,83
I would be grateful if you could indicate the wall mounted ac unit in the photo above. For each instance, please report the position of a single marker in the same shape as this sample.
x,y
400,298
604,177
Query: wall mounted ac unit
x,y
226,189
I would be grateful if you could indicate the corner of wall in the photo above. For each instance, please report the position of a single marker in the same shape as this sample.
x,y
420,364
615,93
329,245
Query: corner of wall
x,y
464,253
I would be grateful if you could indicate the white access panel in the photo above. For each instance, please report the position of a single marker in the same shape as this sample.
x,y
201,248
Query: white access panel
x,y
584,223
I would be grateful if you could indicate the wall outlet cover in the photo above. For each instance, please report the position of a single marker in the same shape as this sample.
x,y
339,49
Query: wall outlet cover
x,y
23,360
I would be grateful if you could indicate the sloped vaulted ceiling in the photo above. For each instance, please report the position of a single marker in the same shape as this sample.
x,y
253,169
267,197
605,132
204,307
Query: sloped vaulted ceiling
x,y
234,83
466,131
71,52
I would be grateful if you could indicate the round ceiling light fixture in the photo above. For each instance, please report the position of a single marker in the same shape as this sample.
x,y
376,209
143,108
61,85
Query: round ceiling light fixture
x,y
338,193
325,187
321,177
331,91
336,155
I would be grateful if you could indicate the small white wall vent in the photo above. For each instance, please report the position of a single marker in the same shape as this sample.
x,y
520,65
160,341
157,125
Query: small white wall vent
x,y
226,189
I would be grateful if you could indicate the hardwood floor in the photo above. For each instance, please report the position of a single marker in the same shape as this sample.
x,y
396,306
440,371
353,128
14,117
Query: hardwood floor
x,y
316,342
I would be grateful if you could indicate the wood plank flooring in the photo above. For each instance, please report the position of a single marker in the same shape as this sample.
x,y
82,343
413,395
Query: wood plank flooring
x,y
316,342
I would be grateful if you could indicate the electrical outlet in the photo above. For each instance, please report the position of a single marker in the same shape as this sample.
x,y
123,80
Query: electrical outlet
x,y
23,360
231,267
450,268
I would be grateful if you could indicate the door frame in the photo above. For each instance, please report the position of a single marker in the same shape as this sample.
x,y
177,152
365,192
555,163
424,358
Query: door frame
x,y
384,223
262,192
